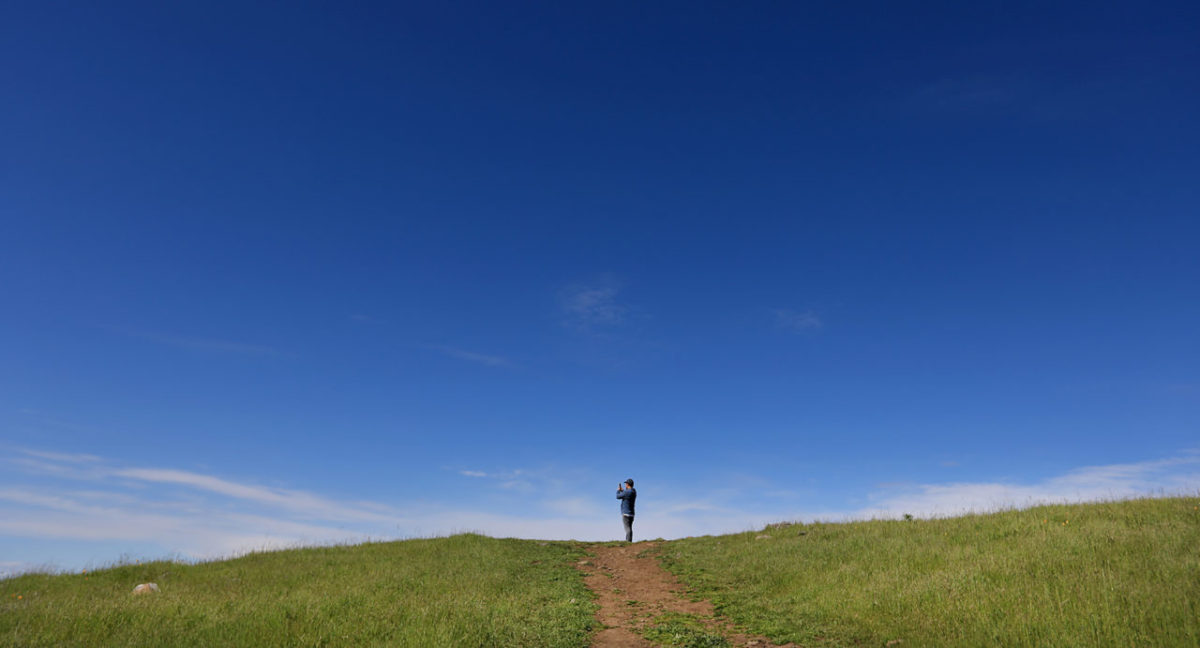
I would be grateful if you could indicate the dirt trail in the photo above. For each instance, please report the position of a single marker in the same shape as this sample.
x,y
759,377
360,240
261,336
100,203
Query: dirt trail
x,y
632,590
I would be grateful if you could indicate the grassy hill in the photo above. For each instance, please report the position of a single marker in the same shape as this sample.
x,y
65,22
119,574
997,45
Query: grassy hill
x,y
1108,574
465,590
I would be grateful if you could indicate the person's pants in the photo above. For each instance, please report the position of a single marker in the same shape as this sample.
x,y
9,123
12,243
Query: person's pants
x,y
628,520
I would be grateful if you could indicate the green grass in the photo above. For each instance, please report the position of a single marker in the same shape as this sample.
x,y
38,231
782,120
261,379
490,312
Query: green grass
x,y
1108,574
675,630
465,590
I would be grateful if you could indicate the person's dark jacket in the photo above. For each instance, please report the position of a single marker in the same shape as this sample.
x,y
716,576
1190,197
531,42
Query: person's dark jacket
x,y
627,497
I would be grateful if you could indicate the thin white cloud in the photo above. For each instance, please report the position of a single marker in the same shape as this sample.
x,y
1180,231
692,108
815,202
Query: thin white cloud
x,y
500,475
478,358
691,505
205,516
1172,476
42,500
61,456
967,94
520,485
66,470
577,507
1184,389
593,307
9,568
211,345
198,515
514,480
213,534
298,502
797,322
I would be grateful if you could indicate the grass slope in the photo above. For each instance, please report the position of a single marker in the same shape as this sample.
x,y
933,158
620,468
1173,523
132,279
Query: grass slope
x,y
1109,574
465,590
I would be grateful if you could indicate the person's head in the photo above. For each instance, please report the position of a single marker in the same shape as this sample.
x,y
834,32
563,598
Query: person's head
x,y
629,482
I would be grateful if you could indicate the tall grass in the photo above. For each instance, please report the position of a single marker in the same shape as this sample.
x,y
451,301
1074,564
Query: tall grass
x,y
1108,574
465,590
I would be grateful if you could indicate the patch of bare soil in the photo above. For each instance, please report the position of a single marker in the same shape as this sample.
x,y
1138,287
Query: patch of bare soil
x,y
632,589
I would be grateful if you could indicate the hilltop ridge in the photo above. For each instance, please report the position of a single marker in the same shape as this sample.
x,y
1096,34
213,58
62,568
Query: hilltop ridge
x,y
1109,573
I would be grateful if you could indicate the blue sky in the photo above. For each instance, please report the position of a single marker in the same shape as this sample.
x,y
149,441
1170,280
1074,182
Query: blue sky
x,y
275,274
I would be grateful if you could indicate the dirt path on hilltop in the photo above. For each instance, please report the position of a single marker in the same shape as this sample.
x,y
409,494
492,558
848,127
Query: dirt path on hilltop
x,y
632,589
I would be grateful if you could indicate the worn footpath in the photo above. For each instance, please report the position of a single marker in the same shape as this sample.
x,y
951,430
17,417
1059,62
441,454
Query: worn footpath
x,y
633,590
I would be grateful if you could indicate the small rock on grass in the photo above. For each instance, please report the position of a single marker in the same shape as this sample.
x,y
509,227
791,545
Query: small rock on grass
x,y
146,588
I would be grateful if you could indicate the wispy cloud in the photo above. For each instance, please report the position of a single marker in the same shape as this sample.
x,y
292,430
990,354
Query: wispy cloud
x,y
971,93
593,307
797,321
61,456
1021,96
1171,476
190,513
518,479
559,503
1184,389
478,358
211,345
571,509
96,500
14,567
204,533
298,502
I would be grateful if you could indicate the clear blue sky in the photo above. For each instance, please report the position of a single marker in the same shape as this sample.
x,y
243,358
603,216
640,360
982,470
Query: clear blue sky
x,y
299,272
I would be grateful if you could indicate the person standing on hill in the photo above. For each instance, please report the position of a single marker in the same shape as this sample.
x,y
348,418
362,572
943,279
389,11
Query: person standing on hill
x,y
628,495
